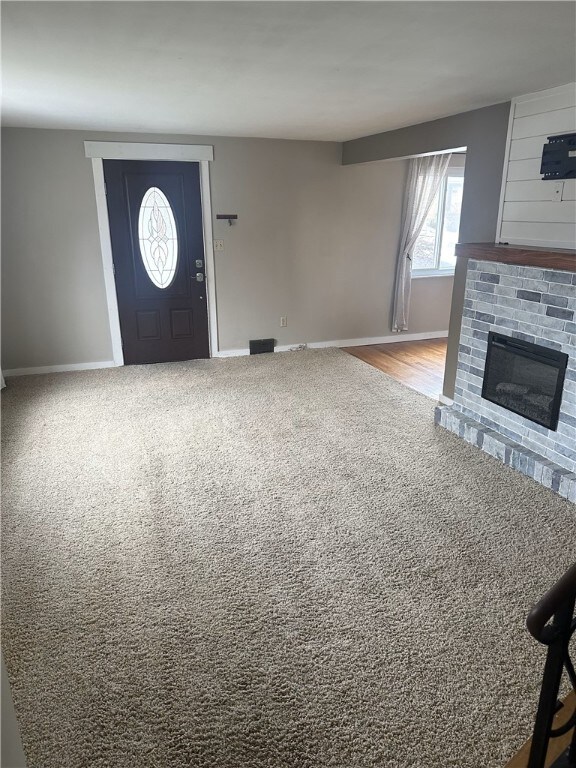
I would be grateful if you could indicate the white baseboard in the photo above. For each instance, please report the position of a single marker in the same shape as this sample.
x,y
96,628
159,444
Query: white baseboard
x,y
343,343
59,368
242,352
231,353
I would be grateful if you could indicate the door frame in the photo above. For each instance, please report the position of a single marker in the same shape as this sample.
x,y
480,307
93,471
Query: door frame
x,y
98,151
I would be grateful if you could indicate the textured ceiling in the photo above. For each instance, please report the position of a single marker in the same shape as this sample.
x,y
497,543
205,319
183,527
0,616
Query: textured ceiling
x,y
299,70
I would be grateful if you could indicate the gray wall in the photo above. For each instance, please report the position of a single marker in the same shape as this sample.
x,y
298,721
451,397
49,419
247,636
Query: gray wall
x,y
483,132
315,241
53,300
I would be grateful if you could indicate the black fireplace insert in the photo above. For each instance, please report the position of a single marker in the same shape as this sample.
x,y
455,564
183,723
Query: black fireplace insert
x,y
525,378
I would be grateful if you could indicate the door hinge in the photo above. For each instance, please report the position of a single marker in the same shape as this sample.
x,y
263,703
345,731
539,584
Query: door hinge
x,y
105,189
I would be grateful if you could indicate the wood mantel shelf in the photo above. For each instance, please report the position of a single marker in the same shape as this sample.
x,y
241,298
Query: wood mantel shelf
x,y
550,258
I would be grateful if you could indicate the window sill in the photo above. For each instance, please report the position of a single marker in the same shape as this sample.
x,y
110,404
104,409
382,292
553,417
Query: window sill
x,y
418,274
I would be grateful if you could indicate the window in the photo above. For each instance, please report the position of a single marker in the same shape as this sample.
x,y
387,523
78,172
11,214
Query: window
x,y
434,252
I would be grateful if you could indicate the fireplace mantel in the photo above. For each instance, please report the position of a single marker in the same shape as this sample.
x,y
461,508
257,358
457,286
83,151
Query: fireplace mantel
x,y
549,258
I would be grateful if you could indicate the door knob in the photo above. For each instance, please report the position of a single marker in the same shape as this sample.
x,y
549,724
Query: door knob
x,y
199,277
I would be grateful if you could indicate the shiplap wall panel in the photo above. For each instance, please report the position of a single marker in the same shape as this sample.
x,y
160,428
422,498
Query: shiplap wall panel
x,y
534,211
538,233
557,121
526,191
547,211
569,190
556,99
524,170
527,149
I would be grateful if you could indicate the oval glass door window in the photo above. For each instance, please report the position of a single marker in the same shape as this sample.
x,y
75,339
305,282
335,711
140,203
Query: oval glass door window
x,y
158,237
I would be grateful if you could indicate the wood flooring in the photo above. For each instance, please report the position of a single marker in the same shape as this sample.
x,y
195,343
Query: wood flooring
x,y
557,746
418,364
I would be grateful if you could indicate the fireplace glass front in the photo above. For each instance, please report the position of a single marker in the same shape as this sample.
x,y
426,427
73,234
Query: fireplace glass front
x,y
525,378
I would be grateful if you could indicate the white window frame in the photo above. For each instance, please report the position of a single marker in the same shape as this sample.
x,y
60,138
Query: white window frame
x,y
436,271
98,151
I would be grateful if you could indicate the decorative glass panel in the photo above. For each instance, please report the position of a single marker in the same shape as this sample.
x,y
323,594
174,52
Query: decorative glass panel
x,y
158,237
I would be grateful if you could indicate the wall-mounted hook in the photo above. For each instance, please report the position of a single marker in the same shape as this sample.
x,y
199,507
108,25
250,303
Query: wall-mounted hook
x,y
230,217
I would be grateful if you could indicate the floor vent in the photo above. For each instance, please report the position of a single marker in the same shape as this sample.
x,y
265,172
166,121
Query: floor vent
x,y
258,346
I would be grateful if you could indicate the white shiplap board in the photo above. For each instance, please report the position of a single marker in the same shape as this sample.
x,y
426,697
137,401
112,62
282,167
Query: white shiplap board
x,y
536,233
569,191
533,211
524,191
557,121
547,212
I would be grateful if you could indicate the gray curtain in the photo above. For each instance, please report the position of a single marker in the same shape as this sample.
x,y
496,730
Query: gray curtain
x,y
425,175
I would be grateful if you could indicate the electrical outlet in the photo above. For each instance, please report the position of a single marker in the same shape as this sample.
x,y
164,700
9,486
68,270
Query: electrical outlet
x,y
218,245
283,322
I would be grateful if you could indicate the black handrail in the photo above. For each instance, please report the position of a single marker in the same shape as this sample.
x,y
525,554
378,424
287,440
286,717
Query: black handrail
x,y
551,621
563,591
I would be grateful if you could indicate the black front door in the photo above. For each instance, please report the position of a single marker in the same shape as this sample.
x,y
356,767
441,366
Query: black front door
x,y
155,215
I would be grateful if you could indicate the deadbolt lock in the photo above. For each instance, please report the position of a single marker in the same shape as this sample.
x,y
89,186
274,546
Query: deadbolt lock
x,y
199,263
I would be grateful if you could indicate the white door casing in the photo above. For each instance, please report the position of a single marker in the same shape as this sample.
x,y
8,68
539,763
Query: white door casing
x,y
112,150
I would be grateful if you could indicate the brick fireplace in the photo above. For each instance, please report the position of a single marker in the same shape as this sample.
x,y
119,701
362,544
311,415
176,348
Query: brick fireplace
x,y
520,309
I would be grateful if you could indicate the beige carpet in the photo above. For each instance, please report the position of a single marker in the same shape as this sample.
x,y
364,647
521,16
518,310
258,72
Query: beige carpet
x,y
268,562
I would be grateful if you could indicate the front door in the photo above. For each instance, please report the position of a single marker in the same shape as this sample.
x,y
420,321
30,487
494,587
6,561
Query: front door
x,y
155,215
